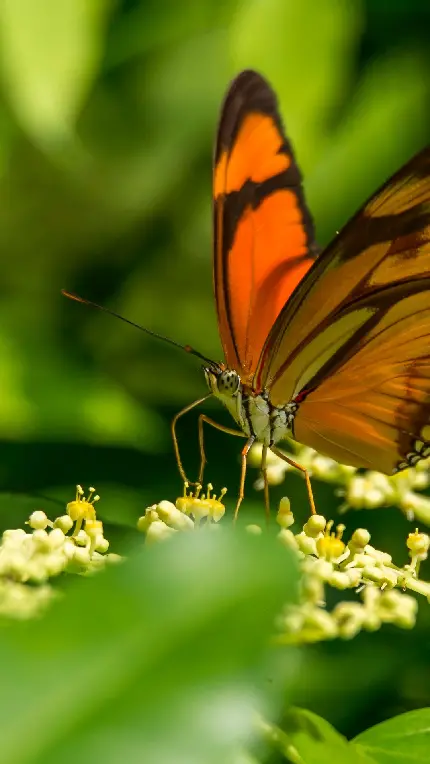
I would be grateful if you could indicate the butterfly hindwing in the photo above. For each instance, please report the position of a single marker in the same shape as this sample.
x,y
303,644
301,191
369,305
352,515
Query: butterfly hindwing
x,y
376,406
263,233
353,343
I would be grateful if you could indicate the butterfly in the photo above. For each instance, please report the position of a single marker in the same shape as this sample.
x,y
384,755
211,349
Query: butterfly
x,y
331,349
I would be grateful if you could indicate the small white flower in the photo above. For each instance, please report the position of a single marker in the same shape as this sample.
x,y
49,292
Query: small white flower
x,y
38,520
159,531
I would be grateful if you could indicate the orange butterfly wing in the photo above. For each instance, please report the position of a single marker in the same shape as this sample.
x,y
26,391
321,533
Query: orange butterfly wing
x,y
353,343
263,233
375,411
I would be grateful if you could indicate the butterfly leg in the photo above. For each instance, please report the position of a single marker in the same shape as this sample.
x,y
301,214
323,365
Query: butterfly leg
x,y
175,437
287,459
266,482
245,451
229,430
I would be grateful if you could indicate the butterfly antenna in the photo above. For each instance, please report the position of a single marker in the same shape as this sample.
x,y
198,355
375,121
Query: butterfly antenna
x,y
187,348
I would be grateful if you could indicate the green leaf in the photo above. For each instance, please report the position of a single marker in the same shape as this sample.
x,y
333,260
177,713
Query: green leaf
x,y
108,414
306,738
368,146
15,508
405,739
50,53
163,658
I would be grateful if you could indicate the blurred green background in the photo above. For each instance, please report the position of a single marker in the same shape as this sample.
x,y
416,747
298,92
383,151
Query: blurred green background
x,y
108,112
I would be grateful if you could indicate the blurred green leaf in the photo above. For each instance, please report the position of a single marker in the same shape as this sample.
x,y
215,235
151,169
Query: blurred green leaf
x,y
306,738
162,659
15,508
350,700
405,739
50,53
385,125
170,23
36,402
306,50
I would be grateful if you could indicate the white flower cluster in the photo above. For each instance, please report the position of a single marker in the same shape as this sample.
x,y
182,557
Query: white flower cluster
x,y
359,491
163,520
22,601
326,561
73,542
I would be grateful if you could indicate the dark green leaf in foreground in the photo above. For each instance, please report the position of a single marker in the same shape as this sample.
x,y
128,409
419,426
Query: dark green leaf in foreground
x,y
306,738
405,739
161,659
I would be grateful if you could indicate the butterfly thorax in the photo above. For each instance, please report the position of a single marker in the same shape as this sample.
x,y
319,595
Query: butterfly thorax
x,y
253,412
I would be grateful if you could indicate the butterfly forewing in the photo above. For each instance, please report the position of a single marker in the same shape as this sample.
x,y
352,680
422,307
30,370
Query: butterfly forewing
x,y
263,233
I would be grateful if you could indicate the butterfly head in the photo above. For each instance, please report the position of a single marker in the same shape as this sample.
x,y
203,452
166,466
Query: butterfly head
x,y
222,382
226,385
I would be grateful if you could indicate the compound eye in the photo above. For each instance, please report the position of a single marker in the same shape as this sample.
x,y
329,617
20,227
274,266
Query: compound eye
x,y
228,382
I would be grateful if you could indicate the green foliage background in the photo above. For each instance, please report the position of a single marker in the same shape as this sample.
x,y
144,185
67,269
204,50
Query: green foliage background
x,y
107,117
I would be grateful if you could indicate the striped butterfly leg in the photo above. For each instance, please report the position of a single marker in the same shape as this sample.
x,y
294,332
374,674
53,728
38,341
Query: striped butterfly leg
x,y
203,418
287,459
266,483
244,456
175,437
229,430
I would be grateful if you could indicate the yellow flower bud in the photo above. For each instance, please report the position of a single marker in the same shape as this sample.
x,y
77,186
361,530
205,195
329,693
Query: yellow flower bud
x,y
82,556
184,504
339,580
209,506
418,543
69,548
199,509
288,539
55,564
360,538
315,525
15,537
306,544
94,528
159,531
82,538
330,547
149,517
41,540
64,522
36,570
56,538
285,517
82,508
102,544
167,512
